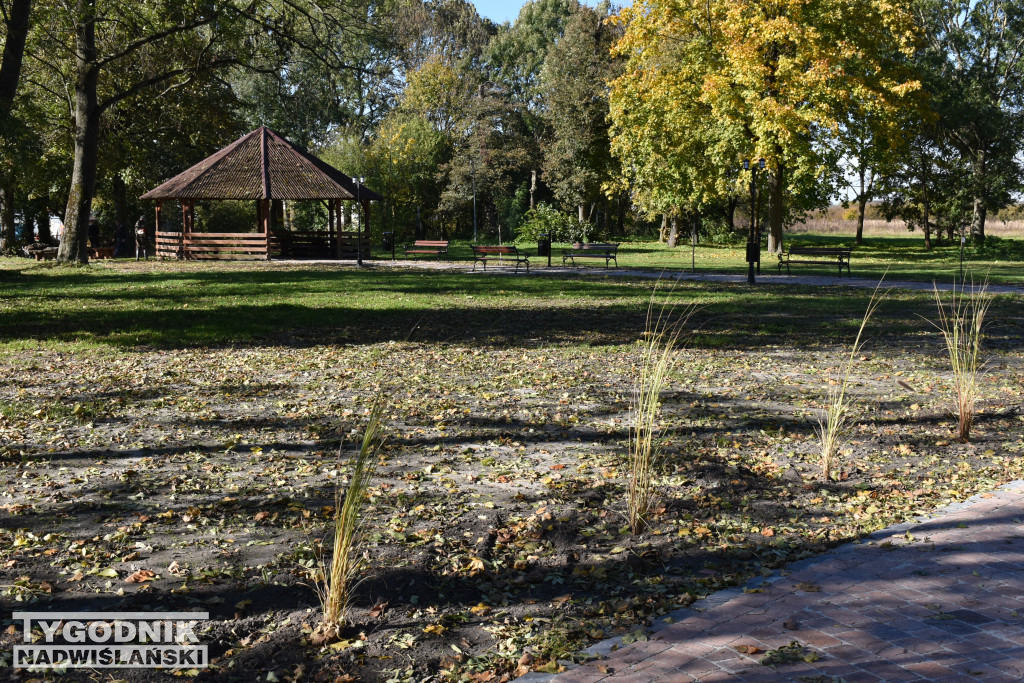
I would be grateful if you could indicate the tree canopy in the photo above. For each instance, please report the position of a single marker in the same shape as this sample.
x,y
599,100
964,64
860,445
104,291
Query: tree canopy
x,y
644,114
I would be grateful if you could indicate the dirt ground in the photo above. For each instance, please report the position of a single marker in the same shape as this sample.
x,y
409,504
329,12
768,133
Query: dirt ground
x,y
495,540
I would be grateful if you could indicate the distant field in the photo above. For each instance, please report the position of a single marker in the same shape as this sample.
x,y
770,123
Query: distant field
x,y
881,228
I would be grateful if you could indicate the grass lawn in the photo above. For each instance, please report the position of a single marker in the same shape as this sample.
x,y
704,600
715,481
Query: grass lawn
x,y
185,419
1002,260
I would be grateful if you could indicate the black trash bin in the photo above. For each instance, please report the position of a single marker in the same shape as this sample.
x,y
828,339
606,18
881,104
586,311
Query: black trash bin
x,y
753,252
388,243
544,245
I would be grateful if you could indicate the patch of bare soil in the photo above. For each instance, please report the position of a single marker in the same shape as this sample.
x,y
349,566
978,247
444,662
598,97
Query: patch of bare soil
x,y
495,539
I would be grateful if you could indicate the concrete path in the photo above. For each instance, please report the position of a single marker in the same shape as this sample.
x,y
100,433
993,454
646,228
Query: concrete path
x,y
941,600
766,278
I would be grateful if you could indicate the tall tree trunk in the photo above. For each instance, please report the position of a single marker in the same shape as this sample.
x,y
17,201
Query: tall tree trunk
x,y
533,186
776,187
926,205
980,209
87,139
927,208
862,205
621,218
978,220
663,233
582,209
14,52
7,231
673,235
730,213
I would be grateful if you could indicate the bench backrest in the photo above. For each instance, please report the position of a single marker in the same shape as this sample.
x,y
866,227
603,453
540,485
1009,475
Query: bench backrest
x,y
430,243
595,246
821,251
495,249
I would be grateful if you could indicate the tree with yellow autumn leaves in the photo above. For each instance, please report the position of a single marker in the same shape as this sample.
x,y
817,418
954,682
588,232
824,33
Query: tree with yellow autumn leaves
x,y
710,82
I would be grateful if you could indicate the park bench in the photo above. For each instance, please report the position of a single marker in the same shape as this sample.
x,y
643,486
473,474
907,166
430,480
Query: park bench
x,y
591,250
484,253
838,255
102,252
42,254
435,247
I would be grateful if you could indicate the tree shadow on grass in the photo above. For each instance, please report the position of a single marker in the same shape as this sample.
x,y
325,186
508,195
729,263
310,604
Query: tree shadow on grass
x,y
300,308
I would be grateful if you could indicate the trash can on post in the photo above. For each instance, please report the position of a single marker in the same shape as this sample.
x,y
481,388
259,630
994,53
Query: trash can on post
x,y
388,243
544,245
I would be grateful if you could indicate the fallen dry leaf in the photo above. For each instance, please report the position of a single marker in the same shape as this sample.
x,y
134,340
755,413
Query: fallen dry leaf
x,y
141,576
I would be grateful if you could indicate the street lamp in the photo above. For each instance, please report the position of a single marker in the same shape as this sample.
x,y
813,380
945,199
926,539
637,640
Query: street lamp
x,y
359,234
472,168
753,239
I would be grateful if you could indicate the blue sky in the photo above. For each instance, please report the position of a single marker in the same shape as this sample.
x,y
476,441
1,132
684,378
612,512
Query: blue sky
x,y
502,10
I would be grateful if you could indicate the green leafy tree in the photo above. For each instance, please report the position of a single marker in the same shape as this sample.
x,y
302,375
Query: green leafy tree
x,y
577,163
750,78
402,162
977,55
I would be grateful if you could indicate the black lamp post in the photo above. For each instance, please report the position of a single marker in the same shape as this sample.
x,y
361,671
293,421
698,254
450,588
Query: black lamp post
x,y
472,168
753,239
362,218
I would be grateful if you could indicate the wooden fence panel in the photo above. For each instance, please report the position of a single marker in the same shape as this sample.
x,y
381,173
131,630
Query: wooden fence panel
x,y
168,245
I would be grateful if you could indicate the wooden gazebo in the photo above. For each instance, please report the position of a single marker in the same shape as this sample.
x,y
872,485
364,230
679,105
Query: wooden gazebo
x,y
264,167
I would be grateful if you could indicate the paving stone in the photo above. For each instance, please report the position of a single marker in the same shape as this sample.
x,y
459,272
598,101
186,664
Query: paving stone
x,y
905,612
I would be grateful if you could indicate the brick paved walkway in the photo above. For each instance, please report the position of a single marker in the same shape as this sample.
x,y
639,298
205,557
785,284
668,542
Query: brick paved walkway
x,y
944,603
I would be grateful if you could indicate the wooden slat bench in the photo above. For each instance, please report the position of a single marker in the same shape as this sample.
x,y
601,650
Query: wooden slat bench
x,y
839,255
435,247
592,250
42,254
508,253
102,252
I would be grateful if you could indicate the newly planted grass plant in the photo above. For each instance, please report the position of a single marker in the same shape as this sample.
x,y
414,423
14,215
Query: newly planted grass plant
x,y
961,322
661,341
337,580
835,419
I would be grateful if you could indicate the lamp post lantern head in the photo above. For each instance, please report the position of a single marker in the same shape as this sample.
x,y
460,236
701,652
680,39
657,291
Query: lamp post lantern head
x,y
760,163
746,164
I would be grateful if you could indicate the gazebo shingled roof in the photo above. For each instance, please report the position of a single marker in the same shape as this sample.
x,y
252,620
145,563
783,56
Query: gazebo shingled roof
x,y
261,165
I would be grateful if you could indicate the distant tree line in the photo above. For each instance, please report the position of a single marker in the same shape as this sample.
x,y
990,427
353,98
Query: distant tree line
x,y
580,122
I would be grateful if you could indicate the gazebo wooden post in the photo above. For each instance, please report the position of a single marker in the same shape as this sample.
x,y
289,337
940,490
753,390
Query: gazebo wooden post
x,y
265,215
156,228
331,233
184,224
342,223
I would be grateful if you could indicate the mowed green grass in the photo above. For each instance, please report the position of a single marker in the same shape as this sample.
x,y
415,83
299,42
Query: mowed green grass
x,y
119,304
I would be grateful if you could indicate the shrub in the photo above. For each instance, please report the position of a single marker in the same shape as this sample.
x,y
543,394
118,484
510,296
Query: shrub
x,y
545,219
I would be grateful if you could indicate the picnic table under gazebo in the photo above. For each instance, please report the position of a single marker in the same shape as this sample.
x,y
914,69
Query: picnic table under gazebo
x,y
266,168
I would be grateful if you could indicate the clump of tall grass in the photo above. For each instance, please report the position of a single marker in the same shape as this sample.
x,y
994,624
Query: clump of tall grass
x,y
337,580
664,330
961,322
835,419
